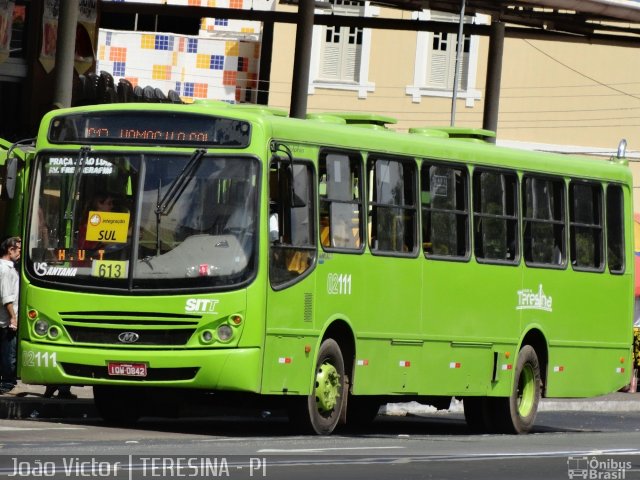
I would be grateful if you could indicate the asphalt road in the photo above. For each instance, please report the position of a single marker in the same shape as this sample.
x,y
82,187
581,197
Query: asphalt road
x,y
581,444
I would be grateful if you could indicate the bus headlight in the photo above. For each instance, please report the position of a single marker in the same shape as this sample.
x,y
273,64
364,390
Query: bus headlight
x,y
224,332
41,327
53,333
207,336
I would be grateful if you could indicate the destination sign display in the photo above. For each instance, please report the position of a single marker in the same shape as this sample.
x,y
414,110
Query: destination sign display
x,y
149,128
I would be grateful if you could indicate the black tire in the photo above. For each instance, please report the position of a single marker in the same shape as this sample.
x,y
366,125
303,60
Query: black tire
x,y
118,405
321,411
517,413
477,414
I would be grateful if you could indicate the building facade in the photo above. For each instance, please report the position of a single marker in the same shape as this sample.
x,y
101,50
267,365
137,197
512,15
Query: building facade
x,y
571,97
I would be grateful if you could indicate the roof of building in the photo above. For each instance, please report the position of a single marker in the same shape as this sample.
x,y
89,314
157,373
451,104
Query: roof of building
x,y
574,17
614,22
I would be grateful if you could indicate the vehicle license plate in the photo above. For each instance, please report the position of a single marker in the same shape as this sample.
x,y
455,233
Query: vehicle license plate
x,y
127,369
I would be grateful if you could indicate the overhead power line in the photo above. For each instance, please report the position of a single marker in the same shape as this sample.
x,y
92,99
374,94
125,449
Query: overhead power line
x,y
611,87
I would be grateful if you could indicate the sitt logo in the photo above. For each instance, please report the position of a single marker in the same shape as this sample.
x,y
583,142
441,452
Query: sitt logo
x,y
201,305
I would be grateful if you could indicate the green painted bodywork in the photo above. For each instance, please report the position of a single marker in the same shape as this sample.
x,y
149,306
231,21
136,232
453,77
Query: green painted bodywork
x,y
468,133
11,209
419,326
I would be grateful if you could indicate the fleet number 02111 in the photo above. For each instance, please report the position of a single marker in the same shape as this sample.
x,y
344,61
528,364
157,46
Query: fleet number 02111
x,y
39,359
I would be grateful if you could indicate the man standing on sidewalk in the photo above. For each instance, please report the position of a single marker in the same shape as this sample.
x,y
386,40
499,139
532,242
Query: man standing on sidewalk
x,y
10,250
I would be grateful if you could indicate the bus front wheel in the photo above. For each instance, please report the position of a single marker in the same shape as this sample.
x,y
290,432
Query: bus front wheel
x,y
517,413
320,412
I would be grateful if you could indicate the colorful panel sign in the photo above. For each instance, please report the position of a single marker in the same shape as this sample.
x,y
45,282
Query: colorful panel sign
x,y
208,67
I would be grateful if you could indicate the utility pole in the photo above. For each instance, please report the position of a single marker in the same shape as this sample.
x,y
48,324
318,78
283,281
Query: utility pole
x,y
456,74
494,75
65,53
302,59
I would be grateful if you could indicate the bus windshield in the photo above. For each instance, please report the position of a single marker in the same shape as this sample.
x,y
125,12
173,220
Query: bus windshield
x,y
143,222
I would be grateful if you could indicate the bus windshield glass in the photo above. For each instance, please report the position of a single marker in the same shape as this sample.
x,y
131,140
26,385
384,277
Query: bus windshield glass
x,y
143,222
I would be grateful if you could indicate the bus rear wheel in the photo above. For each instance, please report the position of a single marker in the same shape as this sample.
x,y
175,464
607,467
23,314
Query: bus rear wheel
x,y
320,412
517,413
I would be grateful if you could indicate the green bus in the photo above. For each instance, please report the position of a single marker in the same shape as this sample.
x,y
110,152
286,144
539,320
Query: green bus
x,y
326,265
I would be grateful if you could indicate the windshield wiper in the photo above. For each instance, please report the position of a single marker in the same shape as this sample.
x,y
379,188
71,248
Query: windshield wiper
x,y
74,191
175,189
180,183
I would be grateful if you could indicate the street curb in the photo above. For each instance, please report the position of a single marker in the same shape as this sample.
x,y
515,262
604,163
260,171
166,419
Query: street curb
x,y
16,407
19,408
594,406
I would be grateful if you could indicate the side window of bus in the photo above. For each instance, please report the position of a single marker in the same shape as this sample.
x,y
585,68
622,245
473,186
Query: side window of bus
x,y
393,218
445,211
615,229
495,217
544,221
291,221
340,187
586,232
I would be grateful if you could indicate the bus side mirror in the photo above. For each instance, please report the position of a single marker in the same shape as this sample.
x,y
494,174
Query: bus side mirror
x,y
11,177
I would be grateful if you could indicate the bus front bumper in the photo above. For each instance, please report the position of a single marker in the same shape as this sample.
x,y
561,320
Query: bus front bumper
x,y
235,369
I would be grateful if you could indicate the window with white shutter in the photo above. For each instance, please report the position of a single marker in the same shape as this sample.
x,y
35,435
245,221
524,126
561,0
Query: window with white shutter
x,y
341,52
440,72
435,61
340,55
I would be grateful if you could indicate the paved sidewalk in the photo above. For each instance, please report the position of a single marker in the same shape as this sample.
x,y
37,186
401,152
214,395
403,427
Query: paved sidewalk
x,y
28,401
615,402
